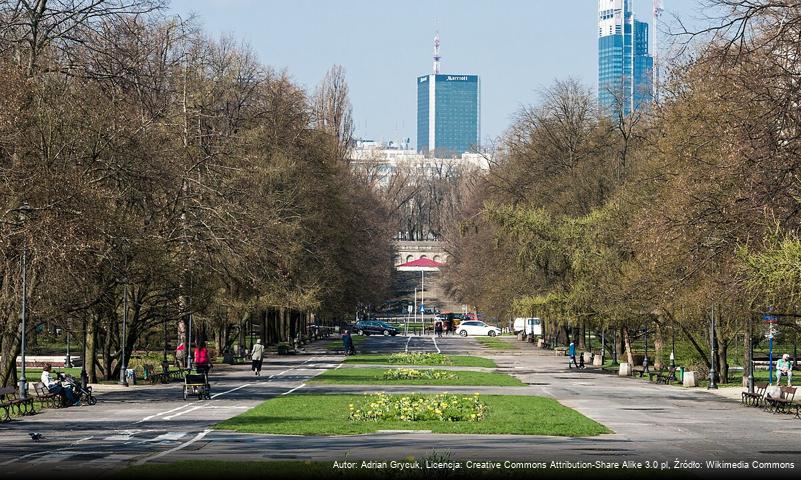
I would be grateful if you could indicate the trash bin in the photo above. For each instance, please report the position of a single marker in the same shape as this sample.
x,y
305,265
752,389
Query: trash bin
x,y
130,376
681,374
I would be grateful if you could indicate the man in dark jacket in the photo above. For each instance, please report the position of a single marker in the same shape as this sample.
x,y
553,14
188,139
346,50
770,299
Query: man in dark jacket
x,y
347,342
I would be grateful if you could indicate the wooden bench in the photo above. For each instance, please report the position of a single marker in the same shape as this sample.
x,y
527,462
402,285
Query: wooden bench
x,y
663,376
755,399
560,351
45,396
783,403
641,371
10,402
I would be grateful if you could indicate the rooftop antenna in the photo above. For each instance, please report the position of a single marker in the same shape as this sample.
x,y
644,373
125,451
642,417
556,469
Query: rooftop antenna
x,y
437,56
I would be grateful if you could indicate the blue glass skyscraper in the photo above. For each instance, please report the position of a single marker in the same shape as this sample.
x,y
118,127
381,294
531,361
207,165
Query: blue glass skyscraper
x,y
625,67
448,114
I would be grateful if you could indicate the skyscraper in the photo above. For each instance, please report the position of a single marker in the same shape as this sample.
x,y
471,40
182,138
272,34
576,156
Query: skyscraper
x,y
625,67
448,111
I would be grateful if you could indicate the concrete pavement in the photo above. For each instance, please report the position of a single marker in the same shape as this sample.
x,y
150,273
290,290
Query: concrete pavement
x,y
650,422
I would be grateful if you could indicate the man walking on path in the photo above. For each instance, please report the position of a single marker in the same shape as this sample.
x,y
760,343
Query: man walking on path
x,y
347,343
784,367
571,352
257,355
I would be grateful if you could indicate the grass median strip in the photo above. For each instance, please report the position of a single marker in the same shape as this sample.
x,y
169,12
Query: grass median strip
x,y
428,359
313,414
496,343
384,376
338,345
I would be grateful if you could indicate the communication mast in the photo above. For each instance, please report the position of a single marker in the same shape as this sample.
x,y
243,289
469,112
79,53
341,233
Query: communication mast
x,y
437,56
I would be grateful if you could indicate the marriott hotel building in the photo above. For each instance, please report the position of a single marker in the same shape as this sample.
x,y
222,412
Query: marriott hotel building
x,y
448,113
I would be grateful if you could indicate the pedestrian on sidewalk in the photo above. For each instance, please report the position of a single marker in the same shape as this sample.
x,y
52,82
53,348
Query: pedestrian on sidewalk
x,y
571,353
347,343
438,328
784,367
257,355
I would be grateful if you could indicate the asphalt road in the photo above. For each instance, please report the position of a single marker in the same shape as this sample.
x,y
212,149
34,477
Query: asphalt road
x,y
155,424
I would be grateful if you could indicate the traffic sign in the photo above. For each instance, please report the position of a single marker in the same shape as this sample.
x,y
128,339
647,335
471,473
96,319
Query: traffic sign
x,y
768,318
410,308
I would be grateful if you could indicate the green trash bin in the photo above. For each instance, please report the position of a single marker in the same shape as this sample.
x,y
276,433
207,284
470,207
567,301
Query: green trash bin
x,y
681,374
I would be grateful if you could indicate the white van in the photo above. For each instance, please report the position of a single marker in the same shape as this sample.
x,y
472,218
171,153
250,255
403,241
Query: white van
x,y
529,326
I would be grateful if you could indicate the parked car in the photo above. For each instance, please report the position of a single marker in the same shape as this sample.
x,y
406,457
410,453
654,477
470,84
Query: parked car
x,y
529,326
477,327
374,327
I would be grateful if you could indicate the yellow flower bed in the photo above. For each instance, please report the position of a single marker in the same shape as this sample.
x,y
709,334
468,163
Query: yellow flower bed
x,y
413,374
418,358
414,408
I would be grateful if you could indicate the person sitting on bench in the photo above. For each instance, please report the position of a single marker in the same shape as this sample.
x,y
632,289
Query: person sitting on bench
x,y
54,386
784,367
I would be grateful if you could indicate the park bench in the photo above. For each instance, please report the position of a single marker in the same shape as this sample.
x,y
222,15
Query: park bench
x,y
45,396
560,351
663,376
641,371
783,403
10,401
754,399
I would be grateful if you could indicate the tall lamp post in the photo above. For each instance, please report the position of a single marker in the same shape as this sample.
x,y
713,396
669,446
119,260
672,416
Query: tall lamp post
x,y
645,358
24,210
123,363
712,343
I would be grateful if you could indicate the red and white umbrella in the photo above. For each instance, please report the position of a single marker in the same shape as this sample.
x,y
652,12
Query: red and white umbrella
x,y
421,265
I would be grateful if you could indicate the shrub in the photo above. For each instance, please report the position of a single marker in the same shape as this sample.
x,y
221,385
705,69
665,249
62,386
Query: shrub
x,y
283,348
413,408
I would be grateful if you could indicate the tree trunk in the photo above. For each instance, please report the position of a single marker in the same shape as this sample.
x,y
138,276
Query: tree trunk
x,y
627,345
582,346
658,347
91,348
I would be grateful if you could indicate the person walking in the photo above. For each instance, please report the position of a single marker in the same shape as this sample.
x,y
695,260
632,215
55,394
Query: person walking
x,y
257,356
202,360
784,367
438,328
571,352
347,343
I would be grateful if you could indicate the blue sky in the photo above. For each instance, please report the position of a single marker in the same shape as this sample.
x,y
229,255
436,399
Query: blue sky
x,y
518,47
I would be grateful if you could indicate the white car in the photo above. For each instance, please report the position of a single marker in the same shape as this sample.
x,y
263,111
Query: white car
x,y
476,327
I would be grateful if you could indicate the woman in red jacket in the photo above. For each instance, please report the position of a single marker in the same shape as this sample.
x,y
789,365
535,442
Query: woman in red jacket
x,y
202,360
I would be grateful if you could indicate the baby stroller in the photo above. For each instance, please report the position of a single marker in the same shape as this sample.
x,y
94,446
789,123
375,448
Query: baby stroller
x,y
83,394
197,384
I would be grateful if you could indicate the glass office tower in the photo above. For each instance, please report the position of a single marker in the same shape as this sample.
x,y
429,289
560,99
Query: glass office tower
x,y
625,67
448,112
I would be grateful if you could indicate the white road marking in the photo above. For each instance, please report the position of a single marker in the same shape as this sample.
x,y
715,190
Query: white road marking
x,y
55,457
296,388
168,436
231,390
339,366
435,344
406,350
197,437
122,435
163,413
196,407
84,439
113,458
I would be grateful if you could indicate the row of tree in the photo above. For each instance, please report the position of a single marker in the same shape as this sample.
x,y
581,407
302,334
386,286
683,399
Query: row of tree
x,y
142,161
658,220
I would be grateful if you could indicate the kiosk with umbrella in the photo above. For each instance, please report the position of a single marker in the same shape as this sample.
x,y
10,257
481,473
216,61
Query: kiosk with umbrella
x,y
421,265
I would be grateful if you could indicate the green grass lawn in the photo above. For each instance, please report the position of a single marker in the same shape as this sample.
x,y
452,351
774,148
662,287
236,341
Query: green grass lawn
x,y
374,376
496,343
337,344
455,360
35,374
328,415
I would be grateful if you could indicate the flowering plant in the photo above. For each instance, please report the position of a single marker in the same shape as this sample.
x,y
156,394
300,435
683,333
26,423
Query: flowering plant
x,y
418,358
413,374
415,407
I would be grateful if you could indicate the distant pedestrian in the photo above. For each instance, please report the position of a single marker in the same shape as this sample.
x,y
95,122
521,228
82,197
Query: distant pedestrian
x,y
202,359
257,355
180,356
784,367
571,352
438,328
347,343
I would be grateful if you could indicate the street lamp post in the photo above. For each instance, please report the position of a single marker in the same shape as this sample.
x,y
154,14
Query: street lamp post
x,y
123,363
24,210
165,365
712,381
673,347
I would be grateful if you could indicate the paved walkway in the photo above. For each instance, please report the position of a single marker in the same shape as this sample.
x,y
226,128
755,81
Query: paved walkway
x,y
154,424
